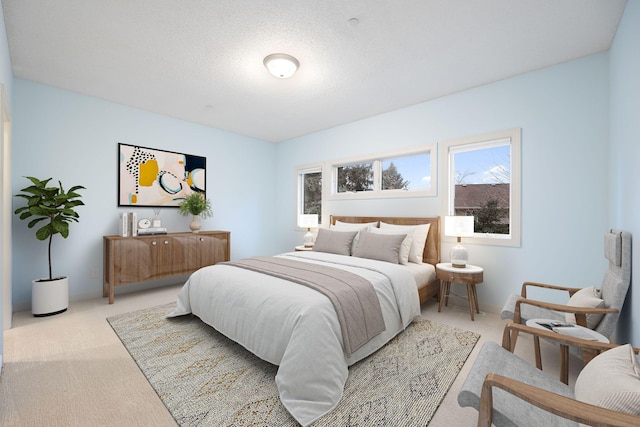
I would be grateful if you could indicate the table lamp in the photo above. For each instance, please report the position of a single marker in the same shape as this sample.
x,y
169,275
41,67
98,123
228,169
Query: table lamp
x,y
459,227
308,221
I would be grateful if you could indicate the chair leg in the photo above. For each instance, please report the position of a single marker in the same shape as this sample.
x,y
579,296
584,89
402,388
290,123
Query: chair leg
x,y
514,338
564,364
536,344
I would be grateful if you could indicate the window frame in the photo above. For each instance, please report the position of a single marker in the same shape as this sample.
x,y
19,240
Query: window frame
x,y
376,160
300,172
449,148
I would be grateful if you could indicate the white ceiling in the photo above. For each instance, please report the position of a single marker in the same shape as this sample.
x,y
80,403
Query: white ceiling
x,y
201,60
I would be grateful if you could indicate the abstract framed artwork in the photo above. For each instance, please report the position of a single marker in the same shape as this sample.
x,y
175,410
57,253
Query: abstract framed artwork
x,y
148,177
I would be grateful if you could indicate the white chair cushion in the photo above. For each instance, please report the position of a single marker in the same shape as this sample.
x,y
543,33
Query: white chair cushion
x,y
587,297
611,380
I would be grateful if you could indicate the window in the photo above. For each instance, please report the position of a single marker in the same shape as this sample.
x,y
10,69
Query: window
x,y
355,177
310,191
483,180
405,173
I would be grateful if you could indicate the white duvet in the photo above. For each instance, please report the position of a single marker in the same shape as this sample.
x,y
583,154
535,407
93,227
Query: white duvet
x,y
295,327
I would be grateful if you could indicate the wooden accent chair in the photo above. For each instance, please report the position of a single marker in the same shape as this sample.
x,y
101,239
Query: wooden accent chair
x,y
613,291
508,391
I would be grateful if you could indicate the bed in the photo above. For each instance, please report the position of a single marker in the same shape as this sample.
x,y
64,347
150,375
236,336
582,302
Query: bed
x,y
429,288
298,328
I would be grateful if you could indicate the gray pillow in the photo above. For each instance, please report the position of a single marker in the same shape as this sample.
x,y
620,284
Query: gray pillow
x,y
383,247
334,242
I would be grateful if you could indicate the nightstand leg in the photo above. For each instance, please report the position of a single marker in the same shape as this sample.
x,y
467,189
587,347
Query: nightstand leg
x,y
470,296
447,290
443,288
475,297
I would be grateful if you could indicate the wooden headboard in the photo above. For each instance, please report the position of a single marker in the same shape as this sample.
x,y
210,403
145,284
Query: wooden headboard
x,y
431,252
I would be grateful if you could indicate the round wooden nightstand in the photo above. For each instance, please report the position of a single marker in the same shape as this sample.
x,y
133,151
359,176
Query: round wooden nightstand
x,y
469,275
303,248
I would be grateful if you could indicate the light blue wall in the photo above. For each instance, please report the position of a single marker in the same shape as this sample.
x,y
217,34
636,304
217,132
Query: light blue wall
x,y
74,138
563,113
625,149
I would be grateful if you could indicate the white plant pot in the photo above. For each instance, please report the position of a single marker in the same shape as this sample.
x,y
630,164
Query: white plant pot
x,y
195,224
49,297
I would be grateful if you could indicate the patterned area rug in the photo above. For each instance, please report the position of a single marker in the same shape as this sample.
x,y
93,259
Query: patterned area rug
x,y
205,379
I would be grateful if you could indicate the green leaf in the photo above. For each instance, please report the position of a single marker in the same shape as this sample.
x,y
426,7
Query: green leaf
x,y
51,206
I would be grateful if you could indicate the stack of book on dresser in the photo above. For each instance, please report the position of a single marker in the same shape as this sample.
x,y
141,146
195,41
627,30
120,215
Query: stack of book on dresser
x,y
152,230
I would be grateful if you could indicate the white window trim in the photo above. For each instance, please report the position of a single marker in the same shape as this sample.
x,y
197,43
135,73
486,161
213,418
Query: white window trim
x,y
448,182
377,193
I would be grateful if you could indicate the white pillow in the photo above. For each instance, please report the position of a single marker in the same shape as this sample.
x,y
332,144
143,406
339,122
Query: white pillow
x,y
587,297
406,243
418,235
611,380
355,225
352,226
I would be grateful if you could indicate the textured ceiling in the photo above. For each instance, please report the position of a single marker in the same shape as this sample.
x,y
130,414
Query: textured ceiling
x,y
201,60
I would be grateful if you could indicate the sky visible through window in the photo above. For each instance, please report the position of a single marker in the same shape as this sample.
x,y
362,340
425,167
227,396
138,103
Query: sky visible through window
x,y
485,166
415,169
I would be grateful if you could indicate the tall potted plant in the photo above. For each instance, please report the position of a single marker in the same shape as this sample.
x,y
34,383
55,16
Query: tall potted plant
x,y
52,209
195,204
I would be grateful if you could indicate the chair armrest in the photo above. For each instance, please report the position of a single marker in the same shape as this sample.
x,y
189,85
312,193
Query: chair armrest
x,y
580,312
559,405
523,292
593,346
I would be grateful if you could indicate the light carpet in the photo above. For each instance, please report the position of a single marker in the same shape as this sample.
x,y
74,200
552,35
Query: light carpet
x,y
205,379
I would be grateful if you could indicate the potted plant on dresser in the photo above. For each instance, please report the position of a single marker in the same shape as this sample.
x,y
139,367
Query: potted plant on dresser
x,y
195,204
52,209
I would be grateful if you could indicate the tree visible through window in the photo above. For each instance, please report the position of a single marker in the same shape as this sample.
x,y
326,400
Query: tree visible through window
x,y
392,179
312,193
357,177
309,191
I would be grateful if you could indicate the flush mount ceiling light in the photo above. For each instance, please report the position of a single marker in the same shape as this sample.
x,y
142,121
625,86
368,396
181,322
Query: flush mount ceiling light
x,y
281,65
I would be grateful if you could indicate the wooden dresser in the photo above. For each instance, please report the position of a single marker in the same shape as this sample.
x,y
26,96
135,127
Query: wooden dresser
x,y
142,258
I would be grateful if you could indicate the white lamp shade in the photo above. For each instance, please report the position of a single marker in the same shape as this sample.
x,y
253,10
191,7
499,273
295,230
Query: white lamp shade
x,y
308,221
458,226
281,65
